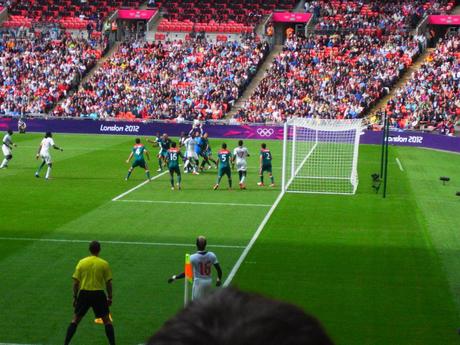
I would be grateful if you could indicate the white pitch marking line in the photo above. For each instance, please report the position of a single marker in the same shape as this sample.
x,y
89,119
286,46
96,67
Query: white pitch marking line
x,y
194,203
399,164
138,186
16,344
159,244
253,240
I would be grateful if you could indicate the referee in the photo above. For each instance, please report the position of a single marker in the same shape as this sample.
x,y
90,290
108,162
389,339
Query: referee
x,y
91,276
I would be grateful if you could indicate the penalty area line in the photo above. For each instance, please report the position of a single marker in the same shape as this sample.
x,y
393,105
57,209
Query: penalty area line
x,y
253,240
194,203
16,344
399,164
138,186
137,243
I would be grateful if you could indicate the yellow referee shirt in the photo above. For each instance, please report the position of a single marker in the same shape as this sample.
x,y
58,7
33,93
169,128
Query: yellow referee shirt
x,y
93,273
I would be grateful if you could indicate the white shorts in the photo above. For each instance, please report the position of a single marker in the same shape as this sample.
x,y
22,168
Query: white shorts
x,y
6,150
201,287
241,166
46,158
192,155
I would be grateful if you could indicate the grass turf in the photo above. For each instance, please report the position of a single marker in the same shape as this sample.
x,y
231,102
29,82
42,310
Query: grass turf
x,y
374,271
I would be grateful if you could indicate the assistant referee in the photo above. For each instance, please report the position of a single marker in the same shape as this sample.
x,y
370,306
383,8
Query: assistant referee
x,y
92,276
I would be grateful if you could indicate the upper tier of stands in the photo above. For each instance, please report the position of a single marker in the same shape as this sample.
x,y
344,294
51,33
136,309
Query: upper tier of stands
x,y
65,12
431,98
248,12
369,16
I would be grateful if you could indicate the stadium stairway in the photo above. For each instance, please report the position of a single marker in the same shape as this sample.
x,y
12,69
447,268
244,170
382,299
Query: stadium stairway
x,y
93,70
255,81
381,104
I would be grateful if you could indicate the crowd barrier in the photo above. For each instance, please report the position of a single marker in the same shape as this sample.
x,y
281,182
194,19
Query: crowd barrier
x,y
399,138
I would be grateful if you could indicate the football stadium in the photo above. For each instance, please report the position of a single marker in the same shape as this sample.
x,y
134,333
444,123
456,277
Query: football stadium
x,y
177,160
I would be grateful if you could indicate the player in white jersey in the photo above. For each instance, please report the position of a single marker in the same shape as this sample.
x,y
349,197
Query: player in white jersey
x,y
44,153
202,262
7,147
191,155
241,153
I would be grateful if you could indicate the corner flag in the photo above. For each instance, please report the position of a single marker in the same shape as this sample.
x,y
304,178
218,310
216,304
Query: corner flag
x,y
188,268
188,277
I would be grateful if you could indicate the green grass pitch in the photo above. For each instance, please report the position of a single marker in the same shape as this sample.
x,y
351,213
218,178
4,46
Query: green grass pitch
x,y
373,271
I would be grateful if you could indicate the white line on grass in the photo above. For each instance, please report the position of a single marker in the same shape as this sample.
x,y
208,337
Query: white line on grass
x,y
253,240
158,244
16,344
194,203
399,164
138,186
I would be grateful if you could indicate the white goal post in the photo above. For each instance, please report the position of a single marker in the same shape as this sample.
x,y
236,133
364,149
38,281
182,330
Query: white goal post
x,y
321,156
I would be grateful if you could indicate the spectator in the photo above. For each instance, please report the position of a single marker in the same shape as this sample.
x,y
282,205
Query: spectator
x,y
430,99
328,76
168,80
233,317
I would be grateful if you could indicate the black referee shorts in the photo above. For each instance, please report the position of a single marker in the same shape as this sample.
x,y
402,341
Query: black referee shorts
x,y
91,299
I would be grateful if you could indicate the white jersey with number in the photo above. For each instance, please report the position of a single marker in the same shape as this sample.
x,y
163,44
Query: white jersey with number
x,y
6,144
241,153
202,263
190,144
46,144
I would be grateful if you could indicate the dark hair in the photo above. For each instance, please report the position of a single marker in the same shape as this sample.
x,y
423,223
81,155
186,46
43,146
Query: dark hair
x,y
224,145
239,318
264,146
48,135
173,144
201,243
240,142
94,247
138,141
10,132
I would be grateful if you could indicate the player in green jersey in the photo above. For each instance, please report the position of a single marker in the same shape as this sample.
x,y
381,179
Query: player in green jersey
x,y
206,152
225,161
265,165
164,143
172,158
139,161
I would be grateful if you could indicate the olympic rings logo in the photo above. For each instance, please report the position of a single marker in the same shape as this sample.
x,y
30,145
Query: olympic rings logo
x,y
265,132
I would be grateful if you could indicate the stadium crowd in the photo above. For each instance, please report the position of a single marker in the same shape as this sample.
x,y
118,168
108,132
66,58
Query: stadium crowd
x,y
35,73
431,98
170,80
374,16
337,76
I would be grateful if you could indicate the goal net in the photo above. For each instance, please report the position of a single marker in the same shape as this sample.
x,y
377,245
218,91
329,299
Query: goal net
x,y
321,156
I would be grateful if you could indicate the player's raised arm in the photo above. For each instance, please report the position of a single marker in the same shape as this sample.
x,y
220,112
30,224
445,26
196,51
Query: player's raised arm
x,y
219,274
129,158
175,277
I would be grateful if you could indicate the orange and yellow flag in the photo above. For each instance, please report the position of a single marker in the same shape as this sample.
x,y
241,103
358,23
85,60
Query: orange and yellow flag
x,y
188,268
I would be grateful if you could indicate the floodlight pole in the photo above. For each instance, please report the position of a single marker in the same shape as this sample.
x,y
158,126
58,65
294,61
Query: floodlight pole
x,y
387,135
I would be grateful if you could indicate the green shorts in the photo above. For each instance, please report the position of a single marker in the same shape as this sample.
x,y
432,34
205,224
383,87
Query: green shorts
x,y
266,168
163,153
139,163
225,171
173,170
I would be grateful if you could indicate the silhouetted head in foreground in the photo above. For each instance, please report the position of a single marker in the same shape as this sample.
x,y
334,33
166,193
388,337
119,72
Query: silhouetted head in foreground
x,y
232,317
